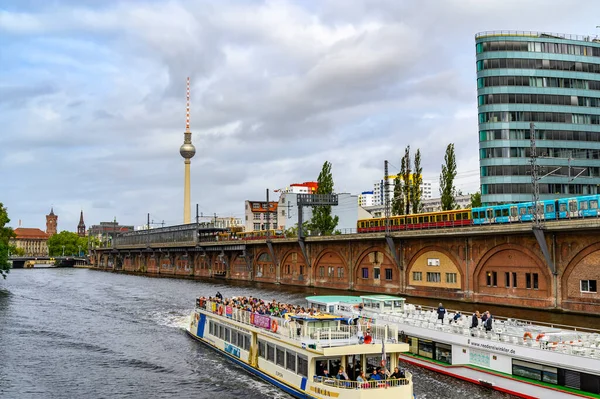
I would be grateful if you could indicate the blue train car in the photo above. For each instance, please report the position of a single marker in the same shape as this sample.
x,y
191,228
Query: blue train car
x,y
579,207
512,213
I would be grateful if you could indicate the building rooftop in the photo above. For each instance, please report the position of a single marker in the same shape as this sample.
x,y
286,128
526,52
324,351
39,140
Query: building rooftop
x,y
31,233
547,35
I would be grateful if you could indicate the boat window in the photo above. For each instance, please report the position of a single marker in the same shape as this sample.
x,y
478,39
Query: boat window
x,y
261,349
399,304
246,342
221,333
271,353
228,335
387,305
302,368
290,360
443,353
234,338
374,362
280,356
535,371
426,348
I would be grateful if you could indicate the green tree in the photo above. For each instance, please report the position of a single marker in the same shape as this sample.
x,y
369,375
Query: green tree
x,y
405,171
476,200
6,233
416,195
447,189
71,242
322,221
14,250
398,198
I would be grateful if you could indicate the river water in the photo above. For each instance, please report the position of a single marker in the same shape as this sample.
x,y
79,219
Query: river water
x,y
78,333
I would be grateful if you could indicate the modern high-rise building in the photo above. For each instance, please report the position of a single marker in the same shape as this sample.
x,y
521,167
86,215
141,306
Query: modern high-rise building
x,y
552,80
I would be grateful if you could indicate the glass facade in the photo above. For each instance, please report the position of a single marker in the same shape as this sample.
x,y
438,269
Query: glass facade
x,y
554,82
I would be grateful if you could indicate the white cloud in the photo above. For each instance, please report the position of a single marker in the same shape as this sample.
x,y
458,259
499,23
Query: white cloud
x,y
92,97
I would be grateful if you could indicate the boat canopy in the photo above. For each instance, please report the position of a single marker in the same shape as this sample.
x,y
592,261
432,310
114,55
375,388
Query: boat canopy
x,y
383,303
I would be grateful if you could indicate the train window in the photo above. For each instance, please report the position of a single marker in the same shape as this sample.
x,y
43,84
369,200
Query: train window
x,y
490,214
522,211
572,206
550,208
513,211
409,220
593,204
400,221
426,219
497,213
505,212
438,218
530,210
444,218
562,207
465,216
372,224
583,205
420,219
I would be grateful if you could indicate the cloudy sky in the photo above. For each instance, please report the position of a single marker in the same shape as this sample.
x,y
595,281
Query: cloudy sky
x,y
92,97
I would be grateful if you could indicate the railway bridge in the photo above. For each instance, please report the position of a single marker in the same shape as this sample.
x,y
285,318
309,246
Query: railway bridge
x,y
487,264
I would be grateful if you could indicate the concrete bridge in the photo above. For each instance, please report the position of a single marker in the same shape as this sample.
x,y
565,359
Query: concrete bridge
x,y
19,262
504,264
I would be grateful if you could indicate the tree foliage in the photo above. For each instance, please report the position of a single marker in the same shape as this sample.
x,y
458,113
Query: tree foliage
x,y
405,171
416,194
6,233
73,244
398,198
476,200
322,221
447,188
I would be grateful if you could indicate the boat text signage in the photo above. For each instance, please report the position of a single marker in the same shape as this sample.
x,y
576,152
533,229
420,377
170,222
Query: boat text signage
x,y
496,347
260,320
232,350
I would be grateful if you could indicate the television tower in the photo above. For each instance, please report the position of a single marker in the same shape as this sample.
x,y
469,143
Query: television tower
x,y
187,151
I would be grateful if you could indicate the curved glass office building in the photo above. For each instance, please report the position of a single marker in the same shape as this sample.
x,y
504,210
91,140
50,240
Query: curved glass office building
x,y
552,80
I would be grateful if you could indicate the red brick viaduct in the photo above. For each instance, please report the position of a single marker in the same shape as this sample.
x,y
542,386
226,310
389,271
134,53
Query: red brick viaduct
x,y
492,264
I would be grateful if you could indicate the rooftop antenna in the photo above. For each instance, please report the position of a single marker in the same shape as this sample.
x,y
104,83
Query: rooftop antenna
x,y
187,107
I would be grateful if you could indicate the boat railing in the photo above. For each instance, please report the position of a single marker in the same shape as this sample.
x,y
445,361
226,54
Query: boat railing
x,y
410,309
371,384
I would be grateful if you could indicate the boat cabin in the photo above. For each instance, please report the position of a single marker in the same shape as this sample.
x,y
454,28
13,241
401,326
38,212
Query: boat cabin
x,y
331,303
377,304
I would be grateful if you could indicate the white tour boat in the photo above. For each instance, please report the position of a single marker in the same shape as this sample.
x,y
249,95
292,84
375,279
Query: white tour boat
x,y
293,352
523,358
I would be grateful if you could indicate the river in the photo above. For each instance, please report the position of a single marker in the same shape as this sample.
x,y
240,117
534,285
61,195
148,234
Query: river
x,y
73,333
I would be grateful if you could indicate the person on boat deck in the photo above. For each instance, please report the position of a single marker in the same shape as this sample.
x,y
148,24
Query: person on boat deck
x,y
488,322
456,317
441,311
326,373
375,376
484,316
361,377
398,374
341,375
219,296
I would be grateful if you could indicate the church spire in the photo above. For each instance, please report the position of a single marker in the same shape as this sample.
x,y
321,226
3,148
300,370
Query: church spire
x,y
81,226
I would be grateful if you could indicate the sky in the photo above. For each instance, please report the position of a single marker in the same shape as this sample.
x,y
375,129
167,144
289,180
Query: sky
x,y
92,97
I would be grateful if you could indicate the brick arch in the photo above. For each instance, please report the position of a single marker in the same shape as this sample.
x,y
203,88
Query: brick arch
x,y
337,261
202,265
534,264
370,283
239,266
296,267
453,266
264,270
581,267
